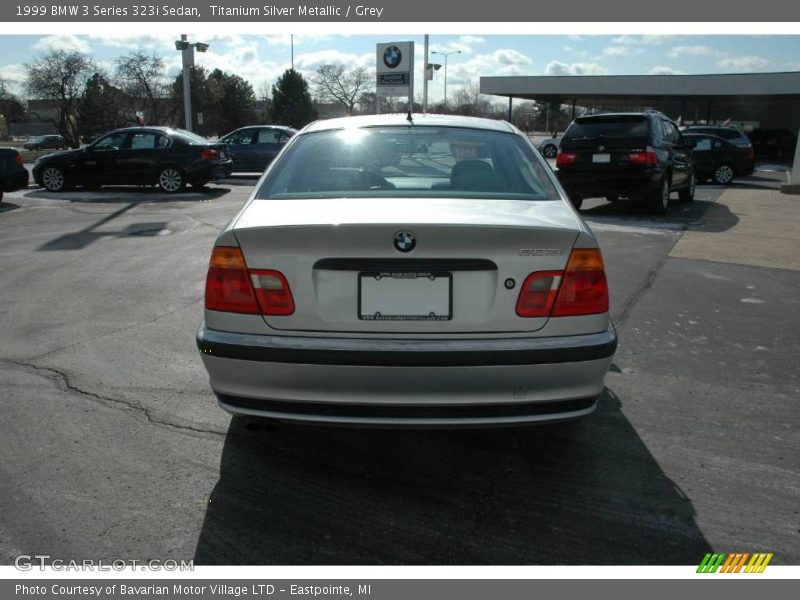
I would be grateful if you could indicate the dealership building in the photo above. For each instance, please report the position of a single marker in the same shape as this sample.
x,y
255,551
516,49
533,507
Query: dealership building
x,y
767,100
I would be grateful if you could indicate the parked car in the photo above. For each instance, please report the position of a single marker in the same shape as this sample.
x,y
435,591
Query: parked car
x,y
169,158
718,159
253,148
549,147
774,144
367,282
734,135
45,142
626,155
13,174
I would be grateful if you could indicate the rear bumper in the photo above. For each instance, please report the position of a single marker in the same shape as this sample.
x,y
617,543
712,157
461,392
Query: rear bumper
x,y
16,180
407,382
590,184
206,170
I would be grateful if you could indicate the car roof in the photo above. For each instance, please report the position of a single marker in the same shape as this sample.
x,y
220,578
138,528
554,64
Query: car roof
x,y
418,119
708,135
731,127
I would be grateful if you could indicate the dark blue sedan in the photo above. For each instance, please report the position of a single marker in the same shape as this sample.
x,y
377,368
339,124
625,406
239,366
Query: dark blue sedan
x,y
253,148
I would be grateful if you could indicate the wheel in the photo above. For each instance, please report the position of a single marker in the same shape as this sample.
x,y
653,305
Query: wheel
x,y
550,151
577,201
612,198
723,174
658,199
171,179
199,185
53,179
687,193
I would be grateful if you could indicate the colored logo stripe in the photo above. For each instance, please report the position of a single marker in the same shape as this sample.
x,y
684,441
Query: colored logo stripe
x,y
734,562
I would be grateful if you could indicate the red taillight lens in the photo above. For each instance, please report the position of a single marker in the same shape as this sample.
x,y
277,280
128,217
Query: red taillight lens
x,y
232,287
647,157
538,293
228,286
584,290
209,154
272,292
565,158
20,160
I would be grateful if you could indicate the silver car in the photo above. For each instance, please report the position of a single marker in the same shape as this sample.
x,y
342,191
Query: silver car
x,y
407,271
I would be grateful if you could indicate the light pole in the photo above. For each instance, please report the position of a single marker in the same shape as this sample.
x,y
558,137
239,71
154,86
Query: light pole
x,y
182,45
445,54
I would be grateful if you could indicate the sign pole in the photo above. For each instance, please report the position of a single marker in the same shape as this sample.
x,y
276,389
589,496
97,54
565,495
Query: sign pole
x,y
425,78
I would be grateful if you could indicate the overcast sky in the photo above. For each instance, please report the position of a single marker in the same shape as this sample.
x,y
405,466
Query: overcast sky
x,y
261,59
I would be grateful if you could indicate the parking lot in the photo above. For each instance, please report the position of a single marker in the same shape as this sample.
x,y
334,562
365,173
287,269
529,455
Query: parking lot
x,y
114,445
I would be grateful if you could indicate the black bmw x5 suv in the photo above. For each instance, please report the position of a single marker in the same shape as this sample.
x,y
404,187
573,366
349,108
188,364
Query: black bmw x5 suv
x,y
638,156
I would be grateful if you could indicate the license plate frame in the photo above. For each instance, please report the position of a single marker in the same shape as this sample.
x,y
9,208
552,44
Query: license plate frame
x,y
442,278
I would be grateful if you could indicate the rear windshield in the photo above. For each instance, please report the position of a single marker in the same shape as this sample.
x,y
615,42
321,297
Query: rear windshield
x,y
409,161
611,127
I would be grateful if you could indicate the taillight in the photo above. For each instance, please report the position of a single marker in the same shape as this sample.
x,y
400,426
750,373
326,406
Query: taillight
x,y
20,160
228,287
538,293
209,154
232,287
648,157
580,289
565,158
584,290
272,292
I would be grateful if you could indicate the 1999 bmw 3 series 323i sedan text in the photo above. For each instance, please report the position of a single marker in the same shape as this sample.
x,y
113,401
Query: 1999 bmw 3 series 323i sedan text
x,y
422,271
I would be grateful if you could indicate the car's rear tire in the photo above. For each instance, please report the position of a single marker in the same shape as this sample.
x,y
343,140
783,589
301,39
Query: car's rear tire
x,y
658,199
171,179
723,174
550,151
687,193
577,201
199,185
612,198
53,179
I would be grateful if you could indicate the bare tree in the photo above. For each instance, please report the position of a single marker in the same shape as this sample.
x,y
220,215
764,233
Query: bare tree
x,y
334,83
142,77
469,101
60,76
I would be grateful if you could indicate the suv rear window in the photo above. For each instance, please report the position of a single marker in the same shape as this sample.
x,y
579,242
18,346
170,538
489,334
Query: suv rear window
x,y
591,129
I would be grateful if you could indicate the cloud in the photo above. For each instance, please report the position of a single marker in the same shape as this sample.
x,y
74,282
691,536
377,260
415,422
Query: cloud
x,y
642,40
679,51
582,68
310,61
616,51
62,42
504,61
463,44
743,63
663,70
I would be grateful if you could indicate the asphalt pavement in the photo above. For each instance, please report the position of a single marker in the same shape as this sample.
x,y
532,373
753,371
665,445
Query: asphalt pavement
x,y
112,444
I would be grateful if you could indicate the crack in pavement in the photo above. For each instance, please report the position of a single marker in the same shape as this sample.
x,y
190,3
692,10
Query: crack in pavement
x,y
120,330
62,377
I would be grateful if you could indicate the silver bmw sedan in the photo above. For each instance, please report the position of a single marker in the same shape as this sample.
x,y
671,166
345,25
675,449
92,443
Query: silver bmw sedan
x,y
392,270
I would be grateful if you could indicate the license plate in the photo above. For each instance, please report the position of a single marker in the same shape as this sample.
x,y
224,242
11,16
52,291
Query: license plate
x,y
601,158
405,296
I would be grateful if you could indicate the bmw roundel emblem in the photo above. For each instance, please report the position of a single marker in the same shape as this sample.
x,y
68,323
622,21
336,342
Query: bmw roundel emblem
x,y
392,57
404,241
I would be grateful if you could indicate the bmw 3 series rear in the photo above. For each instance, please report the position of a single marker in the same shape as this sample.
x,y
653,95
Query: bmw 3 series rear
x,y
392,271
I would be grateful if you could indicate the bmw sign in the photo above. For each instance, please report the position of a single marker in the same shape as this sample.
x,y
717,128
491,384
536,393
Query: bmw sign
x,y
392,57
404,241
394,69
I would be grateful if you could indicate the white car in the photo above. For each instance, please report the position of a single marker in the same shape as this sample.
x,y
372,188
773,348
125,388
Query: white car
x,y
393,271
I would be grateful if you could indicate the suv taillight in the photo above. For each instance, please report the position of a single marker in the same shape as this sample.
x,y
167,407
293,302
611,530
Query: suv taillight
x,y
581,289
648,157
209,154
565,158
232,287
20,160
